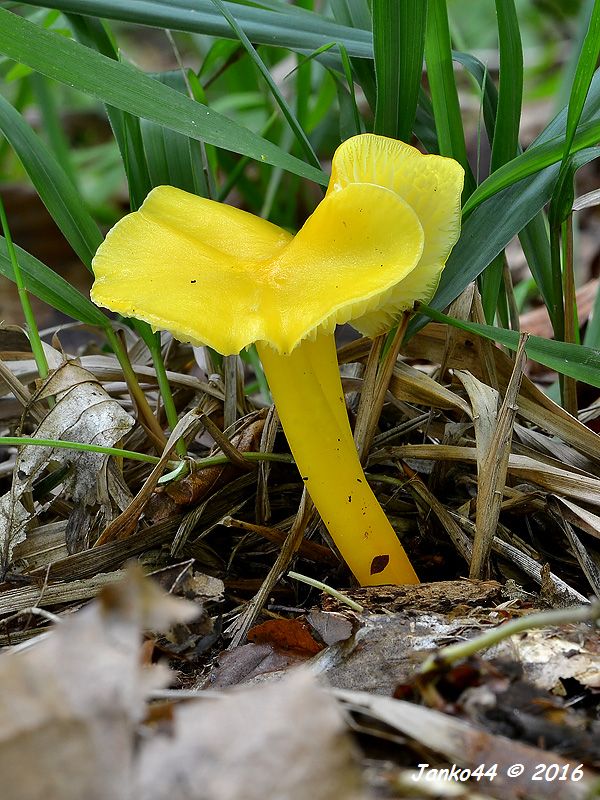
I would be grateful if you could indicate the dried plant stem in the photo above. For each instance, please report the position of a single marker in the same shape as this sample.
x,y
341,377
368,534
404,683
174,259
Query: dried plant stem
x,y
375,387
448,656
289,548
327,589
367,395
493,470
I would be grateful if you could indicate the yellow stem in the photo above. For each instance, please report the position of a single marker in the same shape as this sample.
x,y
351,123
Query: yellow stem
x,y
308,393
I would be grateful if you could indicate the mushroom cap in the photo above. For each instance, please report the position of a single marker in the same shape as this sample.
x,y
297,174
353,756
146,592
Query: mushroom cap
x,y
216,275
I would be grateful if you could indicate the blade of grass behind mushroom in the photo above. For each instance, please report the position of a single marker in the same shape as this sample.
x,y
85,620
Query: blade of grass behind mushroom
x,y
230,380
366,401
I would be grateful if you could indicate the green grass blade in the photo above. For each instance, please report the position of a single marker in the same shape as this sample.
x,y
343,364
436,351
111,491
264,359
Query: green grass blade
x,y
552,137
350,118
534,159
444,95
575,360
353,13
398,44
126,127
505,144
567,72
170,157
26,441
586,66
287,112
510,94
304,32
562,200
592,330
46,284
55,189
127,88
503,216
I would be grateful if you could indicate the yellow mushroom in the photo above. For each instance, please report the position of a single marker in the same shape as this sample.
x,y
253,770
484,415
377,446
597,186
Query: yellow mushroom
x,y
216,275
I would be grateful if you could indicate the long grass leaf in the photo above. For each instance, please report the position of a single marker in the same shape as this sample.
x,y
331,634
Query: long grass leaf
x,y
304,32
505,143
510,93
356,16
126,127
586,66
398,44
533,160
32,329
478,71
127,88
444,95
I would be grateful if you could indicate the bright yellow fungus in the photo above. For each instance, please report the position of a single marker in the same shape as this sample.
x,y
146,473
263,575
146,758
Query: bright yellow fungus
x,y
215,275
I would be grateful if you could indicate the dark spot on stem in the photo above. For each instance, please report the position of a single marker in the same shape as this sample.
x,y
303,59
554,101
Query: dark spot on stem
x,y
359,480
305,478
379,563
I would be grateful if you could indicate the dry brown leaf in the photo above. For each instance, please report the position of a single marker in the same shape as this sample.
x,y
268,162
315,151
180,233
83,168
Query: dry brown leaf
x,y
581,517
331,626
553,479
287,635
492,461
248,662
283,741
83,412
534,405
415,386
70,704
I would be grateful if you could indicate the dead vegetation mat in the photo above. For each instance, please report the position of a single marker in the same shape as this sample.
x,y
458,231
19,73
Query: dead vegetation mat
x,y
274,689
